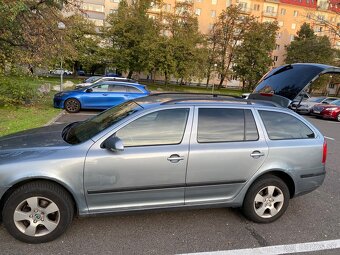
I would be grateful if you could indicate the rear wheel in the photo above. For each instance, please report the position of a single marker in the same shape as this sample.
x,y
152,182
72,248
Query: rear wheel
x,y
338,117
38,212
266,200
72,105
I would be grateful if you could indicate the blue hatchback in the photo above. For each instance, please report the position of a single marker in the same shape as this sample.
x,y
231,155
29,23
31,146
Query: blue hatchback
x,y
99,96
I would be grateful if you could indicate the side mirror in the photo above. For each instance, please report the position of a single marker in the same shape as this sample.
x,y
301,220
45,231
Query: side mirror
x,y
113,143
89,90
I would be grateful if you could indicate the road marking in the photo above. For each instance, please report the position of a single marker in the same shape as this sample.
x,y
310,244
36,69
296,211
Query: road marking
x,y
279,249
329,138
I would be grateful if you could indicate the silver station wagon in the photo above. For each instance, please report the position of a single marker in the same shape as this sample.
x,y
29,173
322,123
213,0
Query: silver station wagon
x,y
166,151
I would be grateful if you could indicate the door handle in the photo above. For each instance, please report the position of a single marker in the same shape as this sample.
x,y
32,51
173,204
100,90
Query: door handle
x,y
256,154
174,158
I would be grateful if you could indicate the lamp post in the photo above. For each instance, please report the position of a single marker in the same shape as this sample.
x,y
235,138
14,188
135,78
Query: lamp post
x,y
61,26
213,86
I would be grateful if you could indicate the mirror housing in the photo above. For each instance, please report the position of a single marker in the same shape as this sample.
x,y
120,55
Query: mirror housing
x,y
89,90
113,143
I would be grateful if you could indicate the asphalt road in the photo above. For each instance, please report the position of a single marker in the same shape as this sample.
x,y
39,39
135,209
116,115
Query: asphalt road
x,y
310,218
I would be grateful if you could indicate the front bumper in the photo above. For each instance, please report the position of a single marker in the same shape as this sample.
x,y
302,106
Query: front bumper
x,y
58,102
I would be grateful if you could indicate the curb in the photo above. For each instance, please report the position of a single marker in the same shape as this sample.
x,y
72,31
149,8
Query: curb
x,y
55,118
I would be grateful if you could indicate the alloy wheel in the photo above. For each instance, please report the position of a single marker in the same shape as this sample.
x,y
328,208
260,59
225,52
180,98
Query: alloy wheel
x,y
268,201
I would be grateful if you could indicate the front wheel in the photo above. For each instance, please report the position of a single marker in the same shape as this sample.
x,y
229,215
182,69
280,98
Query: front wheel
x,y
266,200
72,105
38,212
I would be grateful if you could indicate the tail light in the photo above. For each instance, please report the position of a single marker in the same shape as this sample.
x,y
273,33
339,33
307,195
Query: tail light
x,y
324,152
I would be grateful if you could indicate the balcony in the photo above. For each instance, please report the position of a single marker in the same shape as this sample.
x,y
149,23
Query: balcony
x,y
269,14
245,10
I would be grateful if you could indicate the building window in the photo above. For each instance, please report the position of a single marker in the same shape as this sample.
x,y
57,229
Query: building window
x,y
270,9
293,26
256,7
213,2
213,13
291,38
331,86
296,13
307,1
277,47
321,17
275,58
283,11
113,11
198,11
243,6
115,1
93,7
280,23
211,26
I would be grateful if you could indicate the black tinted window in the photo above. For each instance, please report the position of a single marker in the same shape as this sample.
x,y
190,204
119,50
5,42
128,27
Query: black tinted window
x,y
281,126
158,128
225,125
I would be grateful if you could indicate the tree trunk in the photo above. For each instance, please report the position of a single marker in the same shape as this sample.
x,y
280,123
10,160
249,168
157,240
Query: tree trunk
x,y
130,74
221,81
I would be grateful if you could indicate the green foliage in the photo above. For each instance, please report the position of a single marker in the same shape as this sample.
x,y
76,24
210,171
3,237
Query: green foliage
x,y
227,32
16,93
309,48
252,57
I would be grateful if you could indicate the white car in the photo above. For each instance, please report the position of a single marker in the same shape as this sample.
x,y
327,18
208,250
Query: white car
x,y
60,71
97,79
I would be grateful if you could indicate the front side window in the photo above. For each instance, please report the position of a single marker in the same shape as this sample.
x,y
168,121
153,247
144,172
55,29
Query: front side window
x,y
101,88
163,127
225,125
283,126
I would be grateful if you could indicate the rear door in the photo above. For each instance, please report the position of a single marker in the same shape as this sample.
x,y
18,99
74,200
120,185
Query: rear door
x,y
226,149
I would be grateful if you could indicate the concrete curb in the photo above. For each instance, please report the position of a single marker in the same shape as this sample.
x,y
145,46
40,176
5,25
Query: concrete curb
x,y
55,118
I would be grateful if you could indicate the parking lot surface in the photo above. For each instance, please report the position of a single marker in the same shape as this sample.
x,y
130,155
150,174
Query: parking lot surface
x,y
311,218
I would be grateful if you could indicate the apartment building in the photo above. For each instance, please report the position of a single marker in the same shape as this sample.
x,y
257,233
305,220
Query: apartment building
x,y
323,15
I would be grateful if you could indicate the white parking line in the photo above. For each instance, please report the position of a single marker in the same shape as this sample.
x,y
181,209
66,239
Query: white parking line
x,y
279,249
329,138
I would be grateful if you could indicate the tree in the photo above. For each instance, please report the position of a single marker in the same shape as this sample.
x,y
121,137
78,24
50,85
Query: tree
x,y
131,34
253,56
227,33
309,48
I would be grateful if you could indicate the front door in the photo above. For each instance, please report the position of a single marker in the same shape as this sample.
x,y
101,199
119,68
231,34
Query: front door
x,y
150,172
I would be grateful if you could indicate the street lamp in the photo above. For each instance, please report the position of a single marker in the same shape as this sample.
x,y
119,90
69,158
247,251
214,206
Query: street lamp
x,y
213,86
61,26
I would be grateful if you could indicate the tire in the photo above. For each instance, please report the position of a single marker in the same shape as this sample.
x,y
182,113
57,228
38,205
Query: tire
x,y
72,105
272,195
338,117
50,218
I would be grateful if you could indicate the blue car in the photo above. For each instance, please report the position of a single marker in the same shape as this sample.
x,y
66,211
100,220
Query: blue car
x,y
99,96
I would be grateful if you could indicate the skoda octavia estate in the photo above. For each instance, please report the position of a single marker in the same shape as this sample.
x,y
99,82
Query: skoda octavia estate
x,y
164,151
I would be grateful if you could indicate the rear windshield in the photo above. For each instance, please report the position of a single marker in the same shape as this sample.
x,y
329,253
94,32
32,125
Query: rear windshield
x,y
79,132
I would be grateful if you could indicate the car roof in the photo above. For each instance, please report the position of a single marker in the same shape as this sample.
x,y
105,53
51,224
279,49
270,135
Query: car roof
x,y
200,99
120,83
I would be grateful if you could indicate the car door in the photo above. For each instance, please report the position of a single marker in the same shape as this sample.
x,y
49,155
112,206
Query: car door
x,y
117,94
150,172
226,149
96,97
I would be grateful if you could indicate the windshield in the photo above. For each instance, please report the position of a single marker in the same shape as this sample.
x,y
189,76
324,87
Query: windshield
x,y
76,133
93,79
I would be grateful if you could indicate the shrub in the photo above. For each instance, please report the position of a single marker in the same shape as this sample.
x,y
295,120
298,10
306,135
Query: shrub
x,y
16,92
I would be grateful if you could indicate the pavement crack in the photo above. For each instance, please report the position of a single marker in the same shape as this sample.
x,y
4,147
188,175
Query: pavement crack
x,y
260,239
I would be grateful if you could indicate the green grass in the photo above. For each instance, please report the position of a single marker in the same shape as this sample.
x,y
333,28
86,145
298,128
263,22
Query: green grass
x,y
18,118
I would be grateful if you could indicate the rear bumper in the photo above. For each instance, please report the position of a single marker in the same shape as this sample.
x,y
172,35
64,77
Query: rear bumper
x,y
308,182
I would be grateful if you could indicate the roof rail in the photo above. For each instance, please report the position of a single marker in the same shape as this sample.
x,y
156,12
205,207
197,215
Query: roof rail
x,y
182,97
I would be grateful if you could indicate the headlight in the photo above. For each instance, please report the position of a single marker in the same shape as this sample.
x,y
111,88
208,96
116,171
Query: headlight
x,y
331,109
60,94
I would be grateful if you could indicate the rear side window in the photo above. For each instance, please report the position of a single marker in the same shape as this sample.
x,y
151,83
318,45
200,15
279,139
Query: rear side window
x,y
133,90
283,126
225,125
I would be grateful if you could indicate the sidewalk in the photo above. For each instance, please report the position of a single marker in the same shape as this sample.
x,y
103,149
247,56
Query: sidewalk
x,y
65,117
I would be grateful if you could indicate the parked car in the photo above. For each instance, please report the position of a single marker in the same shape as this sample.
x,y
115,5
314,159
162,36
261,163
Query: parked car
x,y
305,107
59,71
98,79
80,72
245,95
328,111
136,156
101,95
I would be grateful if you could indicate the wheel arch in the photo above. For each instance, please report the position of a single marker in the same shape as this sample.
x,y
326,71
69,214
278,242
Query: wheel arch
x,y
73,97
10,190
284,176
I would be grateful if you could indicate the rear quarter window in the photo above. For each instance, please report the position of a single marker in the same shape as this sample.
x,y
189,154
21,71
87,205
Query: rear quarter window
x,y
283,126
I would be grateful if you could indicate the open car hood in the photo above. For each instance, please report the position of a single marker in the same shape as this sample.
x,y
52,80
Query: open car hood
x,y
283,84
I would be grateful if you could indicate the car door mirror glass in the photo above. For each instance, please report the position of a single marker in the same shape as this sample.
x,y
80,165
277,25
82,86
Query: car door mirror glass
x,y
113,143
